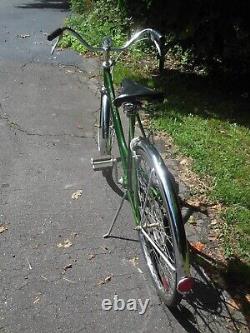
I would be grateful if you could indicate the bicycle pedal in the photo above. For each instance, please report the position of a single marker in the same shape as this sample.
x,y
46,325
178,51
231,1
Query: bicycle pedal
x,y
103,162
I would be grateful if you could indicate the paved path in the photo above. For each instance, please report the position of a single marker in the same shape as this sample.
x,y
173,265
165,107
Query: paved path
x,y
53,259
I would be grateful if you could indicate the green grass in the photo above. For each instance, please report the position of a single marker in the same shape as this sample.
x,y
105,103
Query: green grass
x,y
102,19
213,130
208,128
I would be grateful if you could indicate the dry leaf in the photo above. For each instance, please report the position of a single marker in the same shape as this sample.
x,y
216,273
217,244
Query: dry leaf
x,y
192,220
217,207
194,201
212,238
37,299
91,256
184,161
233,305
76,195
3,228
23,36
65,244
106,280
43,277
134,261
198,246
67,267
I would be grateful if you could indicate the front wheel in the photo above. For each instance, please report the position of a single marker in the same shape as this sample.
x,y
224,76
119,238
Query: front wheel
x,y
161,231
105,127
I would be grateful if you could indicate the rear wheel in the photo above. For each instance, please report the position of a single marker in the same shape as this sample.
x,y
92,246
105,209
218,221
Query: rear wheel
x,y
156,234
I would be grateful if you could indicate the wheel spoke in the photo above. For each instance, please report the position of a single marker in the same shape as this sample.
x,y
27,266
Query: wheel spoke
x,y
146,197
156,232
158,250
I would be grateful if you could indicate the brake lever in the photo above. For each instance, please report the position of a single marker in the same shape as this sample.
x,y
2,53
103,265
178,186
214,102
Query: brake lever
x,y
55,45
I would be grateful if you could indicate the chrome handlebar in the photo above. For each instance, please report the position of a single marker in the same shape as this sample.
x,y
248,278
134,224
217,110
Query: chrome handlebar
x,y
149,34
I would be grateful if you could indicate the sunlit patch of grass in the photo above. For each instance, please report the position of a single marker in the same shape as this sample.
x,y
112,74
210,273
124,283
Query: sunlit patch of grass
x,y
219,148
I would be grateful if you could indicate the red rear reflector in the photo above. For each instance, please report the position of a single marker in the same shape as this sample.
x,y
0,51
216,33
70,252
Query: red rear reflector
x,y
185,285
165,283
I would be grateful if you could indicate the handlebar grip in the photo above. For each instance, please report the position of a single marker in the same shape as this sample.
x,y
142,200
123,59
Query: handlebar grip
x,y
55,34
160,39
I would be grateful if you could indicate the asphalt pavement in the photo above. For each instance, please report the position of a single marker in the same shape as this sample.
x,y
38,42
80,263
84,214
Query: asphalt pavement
x,y
55,267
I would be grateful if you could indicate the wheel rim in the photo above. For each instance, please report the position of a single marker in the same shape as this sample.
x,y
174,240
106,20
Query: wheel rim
x,y
156,226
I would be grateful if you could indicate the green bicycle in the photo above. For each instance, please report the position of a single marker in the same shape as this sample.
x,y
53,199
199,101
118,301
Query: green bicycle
x,y
146,182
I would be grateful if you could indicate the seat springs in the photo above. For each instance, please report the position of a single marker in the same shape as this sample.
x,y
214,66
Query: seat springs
x,y
130,108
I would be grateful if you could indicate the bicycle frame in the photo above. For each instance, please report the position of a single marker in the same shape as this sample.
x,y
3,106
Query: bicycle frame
x,y
130,152
127,159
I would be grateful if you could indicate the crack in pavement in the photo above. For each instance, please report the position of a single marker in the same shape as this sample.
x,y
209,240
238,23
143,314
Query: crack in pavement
x,y
13,125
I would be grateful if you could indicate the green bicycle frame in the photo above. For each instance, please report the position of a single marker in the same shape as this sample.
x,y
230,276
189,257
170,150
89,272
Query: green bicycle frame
x,y
127,160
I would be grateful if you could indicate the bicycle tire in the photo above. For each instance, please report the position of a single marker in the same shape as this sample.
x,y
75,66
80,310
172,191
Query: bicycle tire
x,y
104,128
164,228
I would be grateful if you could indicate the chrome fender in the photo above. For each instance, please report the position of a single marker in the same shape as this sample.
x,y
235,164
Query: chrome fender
x,y
171,201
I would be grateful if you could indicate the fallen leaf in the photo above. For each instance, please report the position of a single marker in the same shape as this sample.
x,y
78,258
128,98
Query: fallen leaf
x,y
195,202
76,195
100,282
106,280
217,207
198,246
91,256
43,277
192,220
37,299
134,261
65,244
3,228
212,238
233,305
67,267
184,161
23,36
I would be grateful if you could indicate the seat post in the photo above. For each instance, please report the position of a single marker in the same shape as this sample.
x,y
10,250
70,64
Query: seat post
x,y
130,109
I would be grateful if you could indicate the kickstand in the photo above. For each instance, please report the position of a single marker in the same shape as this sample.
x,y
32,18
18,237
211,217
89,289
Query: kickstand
x,y
115,217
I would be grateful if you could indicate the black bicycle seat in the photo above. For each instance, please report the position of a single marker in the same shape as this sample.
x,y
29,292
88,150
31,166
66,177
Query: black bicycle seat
x,y
133,92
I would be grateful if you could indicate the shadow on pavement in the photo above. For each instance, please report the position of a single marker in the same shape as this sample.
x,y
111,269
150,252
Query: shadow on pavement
x,y
54,4
215,305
